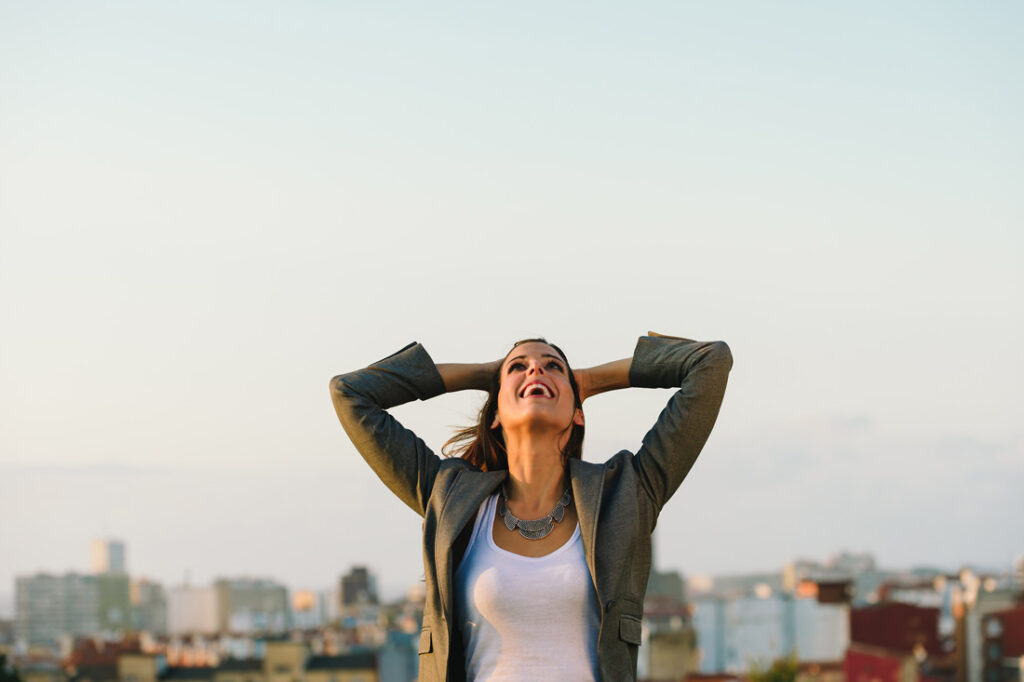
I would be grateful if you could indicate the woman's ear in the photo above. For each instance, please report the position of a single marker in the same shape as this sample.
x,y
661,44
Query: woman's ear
x,y
496,424
577,417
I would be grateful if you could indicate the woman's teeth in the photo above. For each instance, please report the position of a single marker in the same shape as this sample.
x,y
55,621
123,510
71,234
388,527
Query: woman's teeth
x,y
537,390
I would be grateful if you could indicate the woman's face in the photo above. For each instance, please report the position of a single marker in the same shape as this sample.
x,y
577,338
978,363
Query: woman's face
x,y
535,389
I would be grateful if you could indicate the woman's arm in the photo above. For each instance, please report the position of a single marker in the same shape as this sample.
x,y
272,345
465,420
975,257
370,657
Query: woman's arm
x,y
700,370
402,460
465,376
610,376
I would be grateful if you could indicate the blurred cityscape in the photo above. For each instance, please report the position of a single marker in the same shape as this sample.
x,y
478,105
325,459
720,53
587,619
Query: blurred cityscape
x,y
840,620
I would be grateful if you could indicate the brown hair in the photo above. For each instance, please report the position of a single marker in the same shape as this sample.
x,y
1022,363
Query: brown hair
x,y
484,447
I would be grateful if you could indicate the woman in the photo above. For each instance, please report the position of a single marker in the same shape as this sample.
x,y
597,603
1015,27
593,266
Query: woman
x,y
536,562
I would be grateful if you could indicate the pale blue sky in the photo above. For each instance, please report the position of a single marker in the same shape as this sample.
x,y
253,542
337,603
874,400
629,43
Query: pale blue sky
x,y
207,210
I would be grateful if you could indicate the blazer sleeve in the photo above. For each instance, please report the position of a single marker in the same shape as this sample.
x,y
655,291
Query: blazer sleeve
x,y
397,455
700,371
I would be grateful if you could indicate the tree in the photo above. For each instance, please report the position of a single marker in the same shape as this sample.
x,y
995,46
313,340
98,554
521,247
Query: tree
x,y
781,670
7,674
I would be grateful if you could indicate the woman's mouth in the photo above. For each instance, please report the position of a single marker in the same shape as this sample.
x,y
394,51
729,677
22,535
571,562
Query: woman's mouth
x,y
536,389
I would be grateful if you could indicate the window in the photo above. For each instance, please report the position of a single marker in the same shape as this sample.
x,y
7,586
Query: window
x,y
993,627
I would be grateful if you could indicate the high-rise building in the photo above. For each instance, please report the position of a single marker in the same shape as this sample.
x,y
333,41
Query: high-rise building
x,y
50,606
113,602
358,588
113,588
108,556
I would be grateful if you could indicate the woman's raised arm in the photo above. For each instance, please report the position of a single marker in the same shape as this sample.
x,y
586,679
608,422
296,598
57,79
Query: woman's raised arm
x,y
466,376
700,370
610,376
398,456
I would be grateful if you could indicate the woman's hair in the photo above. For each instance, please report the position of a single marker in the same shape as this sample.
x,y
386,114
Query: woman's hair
x,y
484,447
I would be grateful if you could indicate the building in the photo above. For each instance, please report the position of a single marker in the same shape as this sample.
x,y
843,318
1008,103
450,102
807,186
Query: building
x,y
354,667
309,609
735,634
108,556
41,671
192,610
247,605
866,664
358,588
897,627
978,603
48,607
284,661
857,568
899,641
668,584
235,605
668,650
113,602
1003,645
239,670
398,659
149,607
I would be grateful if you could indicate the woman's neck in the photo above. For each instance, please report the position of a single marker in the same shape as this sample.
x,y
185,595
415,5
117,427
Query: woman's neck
x,y
536,476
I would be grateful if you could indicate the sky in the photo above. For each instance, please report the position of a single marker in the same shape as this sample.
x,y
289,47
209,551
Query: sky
x,y
207,210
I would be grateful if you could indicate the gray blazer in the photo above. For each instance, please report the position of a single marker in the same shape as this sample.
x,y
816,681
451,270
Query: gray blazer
x,y
618,501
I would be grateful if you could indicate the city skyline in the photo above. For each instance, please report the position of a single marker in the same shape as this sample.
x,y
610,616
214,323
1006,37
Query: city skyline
x,y
844,613
395,591
205,216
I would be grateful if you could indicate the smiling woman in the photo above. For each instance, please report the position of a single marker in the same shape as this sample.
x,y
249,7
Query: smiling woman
x,y
483,443
536,562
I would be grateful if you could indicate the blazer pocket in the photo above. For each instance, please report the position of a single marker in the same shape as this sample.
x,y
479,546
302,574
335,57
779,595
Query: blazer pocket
x,y
630,629
426,643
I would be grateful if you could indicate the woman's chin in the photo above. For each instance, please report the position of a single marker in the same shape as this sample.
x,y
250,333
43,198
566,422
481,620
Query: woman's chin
x,y
541,421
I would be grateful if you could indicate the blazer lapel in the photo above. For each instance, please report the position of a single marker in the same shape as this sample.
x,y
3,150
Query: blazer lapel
x,y
464,499
587,486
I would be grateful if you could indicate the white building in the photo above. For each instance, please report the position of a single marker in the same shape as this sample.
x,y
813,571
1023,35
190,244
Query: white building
x,y
821,631
192,610
736,633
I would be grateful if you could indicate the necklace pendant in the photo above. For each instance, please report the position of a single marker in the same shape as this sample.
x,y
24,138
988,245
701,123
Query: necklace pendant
x,y
537,528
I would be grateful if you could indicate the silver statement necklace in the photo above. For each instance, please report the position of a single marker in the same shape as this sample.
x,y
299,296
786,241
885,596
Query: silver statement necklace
x,y
538,528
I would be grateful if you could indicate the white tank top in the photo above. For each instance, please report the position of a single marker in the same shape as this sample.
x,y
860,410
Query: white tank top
x,y
525,618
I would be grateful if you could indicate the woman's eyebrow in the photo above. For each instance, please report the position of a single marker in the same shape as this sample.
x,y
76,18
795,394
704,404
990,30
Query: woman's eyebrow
x,y
543,355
